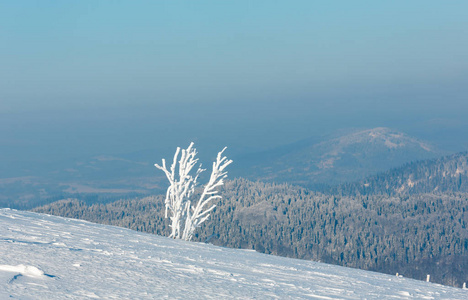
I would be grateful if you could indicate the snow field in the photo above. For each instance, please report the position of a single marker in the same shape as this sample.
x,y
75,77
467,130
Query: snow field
x,y
48,257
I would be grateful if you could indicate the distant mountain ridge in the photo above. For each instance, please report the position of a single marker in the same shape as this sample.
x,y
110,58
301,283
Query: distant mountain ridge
x,y
345,158
315,163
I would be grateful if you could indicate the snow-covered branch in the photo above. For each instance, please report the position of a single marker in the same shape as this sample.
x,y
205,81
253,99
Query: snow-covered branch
x,y
182,186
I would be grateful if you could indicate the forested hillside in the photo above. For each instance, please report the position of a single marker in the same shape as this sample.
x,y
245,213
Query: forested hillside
x,y
445,174
413,235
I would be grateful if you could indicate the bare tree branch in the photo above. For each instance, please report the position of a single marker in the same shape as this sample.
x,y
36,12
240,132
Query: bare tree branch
x,y
178,200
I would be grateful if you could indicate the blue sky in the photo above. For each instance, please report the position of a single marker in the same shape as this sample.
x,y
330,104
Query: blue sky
x,y
255,74
97,53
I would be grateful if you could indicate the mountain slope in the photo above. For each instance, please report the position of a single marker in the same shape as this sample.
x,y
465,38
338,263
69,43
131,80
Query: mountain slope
x,y
46,257
345,158
441,175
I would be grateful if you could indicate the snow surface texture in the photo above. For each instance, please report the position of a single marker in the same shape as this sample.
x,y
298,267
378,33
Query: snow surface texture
x,y
48,257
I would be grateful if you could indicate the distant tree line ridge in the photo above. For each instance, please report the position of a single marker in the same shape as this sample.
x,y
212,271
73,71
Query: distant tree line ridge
x,y
445,174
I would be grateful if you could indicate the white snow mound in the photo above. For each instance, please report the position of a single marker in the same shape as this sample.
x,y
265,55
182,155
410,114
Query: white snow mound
x,y
29,271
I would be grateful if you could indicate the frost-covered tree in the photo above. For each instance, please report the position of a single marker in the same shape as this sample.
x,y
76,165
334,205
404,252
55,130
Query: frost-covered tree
x,y
186,213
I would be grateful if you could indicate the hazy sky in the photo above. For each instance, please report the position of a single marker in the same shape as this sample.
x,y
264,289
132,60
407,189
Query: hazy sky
x,y
87,77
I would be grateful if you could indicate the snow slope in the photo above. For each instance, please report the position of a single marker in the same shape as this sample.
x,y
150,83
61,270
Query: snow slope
x,y
48,257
